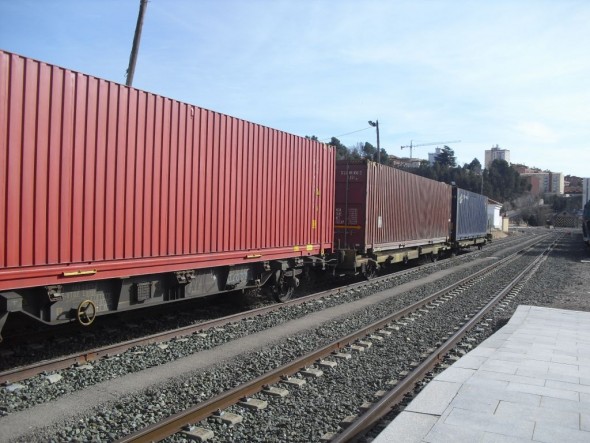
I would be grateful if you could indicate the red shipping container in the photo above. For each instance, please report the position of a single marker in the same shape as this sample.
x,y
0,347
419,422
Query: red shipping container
x,y
379,208
99,180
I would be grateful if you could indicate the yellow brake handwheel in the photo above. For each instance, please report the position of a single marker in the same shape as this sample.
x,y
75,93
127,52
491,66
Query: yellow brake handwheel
x,y
86,312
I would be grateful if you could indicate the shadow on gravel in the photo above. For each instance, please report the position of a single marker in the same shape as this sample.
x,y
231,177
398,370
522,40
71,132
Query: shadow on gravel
x,y
571,248
499,324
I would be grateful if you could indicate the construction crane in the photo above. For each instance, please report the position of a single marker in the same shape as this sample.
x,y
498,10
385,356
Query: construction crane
x,y
412,145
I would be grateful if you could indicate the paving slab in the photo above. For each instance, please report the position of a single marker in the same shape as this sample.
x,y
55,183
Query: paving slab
x,y
550,434
456,375
530,381
435,398
509,426
569,419
559,404
500,376
443,433
474,402
491,394
543,391
407,428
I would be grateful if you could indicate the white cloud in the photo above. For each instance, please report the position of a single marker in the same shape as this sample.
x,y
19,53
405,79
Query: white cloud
x,y
537,132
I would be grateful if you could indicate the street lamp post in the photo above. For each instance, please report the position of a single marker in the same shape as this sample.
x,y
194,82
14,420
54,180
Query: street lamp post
x,y
481,182
375,124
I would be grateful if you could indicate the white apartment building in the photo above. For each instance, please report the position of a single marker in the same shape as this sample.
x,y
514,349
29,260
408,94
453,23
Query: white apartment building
x,y
496,154
545,182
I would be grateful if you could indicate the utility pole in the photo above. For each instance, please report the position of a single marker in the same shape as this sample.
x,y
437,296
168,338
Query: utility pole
x,y
375,124
136,39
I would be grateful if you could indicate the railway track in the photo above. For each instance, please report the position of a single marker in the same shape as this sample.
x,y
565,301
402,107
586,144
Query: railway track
x,y
91,355
405,386
340,350
109,413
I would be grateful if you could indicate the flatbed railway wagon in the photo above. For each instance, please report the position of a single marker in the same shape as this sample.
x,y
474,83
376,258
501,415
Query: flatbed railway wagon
x,y
114,198
384,215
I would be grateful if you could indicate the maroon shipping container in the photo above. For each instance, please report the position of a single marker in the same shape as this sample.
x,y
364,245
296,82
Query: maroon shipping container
x,y
379,208
99,180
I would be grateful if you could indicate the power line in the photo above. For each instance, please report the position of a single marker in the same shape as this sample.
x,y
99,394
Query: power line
x,y
348,133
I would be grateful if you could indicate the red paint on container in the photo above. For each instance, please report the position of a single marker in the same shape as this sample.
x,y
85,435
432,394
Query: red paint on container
x,y
382,208
97,176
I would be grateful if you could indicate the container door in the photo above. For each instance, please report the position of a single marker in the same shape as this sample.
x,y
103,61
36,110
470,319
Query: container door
x,y
350,209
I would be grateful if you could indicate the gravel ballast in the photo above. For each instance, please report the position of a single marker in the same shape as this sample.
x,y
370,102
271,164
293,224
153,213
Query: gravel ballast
x,y
130,413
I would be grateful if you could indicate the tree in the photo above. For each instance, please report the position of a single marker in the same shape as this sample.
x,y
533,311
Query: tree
x,y
446,157
384,157
499,182
502,182
369,151
342,152
475,166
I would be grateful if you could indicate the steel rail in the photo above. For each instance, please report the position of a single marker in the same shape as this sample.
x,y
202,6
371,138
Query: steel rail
x,y
22,373
407,384
201,411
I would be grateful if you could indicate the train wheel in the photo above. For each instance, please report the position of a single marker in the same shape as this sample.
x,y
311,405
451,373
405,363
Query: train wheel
x,y
433,258
370,271
283,288
86,312
283,293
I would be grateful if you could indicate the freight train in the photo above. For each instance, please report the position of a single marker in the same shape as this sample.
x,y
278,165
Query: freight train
x,y
113,198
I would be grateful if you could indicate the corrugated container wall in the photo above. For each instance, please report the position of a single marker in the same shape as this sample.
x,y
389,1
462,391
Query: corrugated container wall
x,y
470,215
98,176
382,208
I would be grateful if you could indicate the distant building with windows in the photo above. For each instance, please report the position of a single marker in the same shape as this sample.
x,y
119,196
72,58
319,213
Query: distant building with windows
x,y
522,169
545,182
585,190
496,154
404,162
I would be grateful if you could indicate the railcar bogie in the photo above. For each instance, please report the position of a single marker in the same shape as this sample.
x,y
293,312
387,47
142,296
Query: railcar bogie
x,y
371,262
84,301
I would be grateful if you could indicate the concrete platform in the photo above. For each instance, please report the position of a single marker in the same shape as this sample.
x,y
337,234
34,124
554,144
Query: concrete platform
x,y
530,381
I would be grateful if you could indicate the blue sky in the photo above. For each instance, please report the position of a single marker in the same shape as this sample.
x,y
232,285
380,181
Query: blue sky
x,y
515,73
